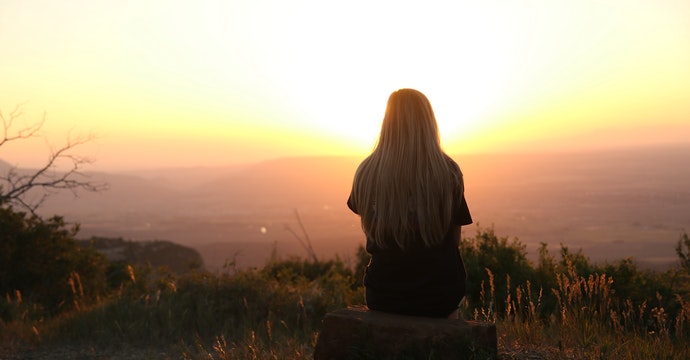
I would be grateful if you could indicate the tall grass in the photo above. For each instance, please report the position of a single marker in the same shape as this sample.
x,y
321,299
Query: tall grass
x,y
578,312
590,322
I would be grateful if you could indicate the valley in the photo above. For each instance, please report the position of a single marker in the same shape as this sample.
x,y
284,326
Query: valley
x,y
612,204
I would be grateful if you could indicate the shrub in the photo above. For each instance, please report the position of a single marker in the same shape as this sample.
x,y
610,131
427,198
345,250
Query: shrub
x,y
40,260
493,260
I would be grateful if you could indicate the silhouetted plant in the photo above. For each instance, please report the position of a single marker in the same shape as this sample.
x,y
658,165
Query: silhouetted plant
x,y
683,252
506,260
577,260
41,260
28,189
362,261
630,282
296,268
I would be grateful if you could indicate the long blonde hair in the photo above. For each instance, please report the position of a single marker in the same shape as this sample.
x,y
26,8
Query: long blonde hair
x,y
404,190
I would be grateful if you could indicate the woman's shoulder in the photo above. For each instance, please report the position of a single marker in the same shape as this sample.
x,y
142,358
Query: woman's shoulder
x,y
452,165
364,164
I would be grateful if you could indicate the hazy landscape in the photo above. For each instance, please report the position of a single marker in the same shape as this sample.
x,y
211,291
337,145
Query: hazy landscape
x,y
612,204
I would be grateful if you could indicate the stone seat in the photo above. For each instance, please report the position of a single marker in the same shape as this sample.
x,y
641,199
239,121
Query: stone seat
x,y
360,333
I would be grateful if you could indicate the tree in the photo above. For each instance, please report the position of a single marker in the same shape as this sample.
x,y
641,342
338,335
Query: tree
x,y
16,184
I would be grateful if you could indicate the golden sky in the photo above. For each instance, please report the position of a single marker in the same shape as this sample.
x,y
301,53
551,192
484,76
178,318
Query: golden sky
x,y
178,83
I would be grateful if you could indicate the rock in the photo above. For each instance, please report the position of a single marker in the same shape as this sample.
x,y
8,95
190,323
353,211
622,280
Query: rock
x,y
359,333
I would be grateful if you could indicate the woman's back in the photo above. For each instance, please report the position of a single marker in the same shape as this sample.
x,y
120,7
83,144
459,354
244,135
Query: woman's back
x,y
410,196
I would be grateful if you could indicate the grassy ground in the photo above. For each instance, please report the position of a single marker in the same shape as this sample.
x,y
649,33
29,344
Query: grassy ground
x,y
254,316
276,312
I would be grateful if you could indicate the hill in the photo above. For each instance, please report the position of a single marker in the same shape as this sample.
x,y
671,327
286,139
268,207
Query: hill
x,y
156,253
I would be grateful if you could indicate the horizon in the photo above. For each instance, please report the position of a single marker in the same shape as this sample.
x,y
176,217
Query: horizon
x,y
216,83
498,153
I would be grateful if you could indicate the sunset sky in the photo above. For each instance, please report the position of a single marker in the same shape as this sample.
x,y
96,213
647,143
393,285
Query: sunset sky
x,y
180,83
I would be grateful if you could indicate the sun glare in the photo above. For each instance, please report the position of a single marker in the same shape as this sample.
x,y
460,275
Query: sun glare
x,y
312,77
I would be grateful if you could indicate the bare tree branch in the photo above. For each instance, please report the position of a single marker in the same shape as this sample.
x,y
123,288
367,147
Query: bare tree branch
x,y
16,184
306,242
26,132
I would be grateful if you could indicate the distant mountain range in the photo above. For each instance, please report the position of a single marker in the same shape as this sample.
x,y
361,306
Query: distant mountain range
x,y
612,204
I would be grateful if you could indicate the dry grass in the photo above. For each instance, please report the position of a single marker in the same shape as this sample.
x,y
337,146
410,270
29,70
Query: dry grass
x,y
589,323
276,313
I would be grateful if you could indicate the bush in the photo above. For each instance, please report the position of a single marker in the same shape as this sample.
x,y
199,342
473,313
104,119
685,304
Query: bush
x,y
496,261
41,262
497,267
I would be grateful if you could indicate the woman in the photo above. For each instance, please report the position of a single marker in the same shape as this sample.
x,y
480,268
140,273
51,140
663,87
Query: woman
x,y
410,197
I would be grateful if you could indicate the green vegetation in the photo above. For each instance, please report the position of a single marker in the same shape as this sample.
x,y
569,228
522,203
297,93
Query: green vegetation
x,y
571,308
57,294
42,265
